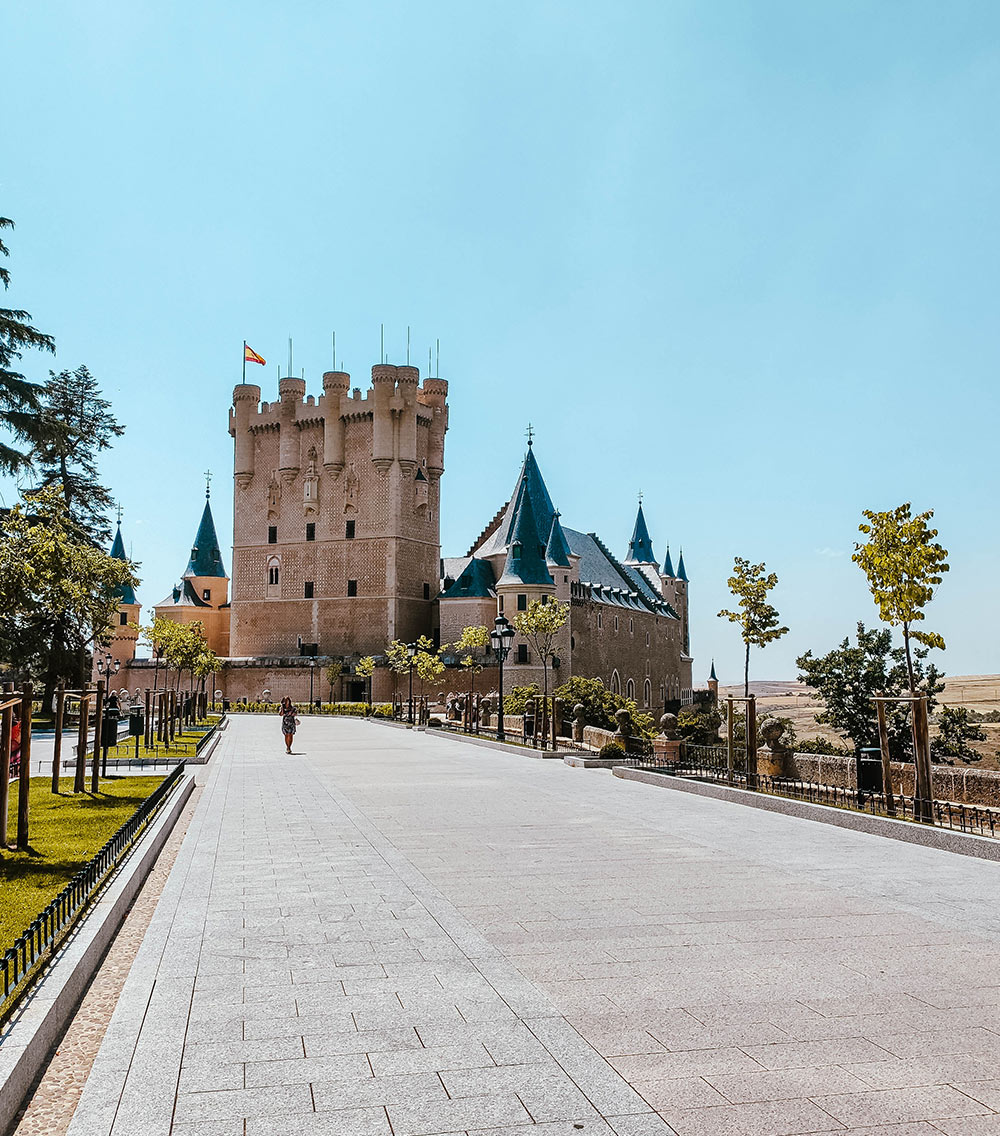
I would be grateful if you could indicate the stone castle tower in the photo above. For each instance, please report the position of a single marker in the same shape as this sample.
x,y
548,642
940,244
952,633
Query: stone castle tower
x,y
124,632
336,545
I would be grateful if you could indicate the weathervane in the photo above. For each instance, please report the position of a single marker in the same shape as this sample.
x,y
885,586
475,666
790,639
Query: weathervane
x,y
530,432
119,504
208,483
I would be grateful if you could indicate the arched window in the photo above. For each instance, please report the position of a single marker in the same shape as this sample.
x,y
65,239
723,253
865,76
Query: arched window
x,y
616,683
630,690
647,693
274,576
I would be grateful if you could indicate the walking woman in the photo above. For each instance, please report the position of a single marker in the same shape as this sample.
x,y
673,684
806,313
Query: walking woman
x,y
288,722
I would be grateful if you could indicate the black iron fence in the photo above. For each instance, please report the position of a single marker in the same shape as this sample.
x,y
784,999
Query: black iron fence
x,y
710,763
22,961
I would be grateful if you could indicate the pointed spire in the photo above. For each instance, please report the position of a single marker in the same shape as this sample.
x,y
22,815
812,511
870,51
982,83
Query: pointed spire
x,y
557,550
681,574
668,567
525,563
713,677
125,593
640,547
206,557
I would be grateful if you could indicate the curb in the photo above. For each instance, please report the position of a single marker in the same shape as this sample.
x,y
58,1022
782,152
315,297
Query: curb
x,y
485,743
37,1024
944,839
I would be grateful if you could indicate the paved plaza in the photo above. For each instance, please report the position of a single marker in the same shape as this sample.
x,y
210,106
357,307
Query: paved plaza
x,y
393,933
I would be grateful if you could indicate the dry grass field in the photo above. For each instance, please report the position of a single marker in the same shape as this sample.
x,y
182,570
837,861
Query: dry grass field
x,y
795,701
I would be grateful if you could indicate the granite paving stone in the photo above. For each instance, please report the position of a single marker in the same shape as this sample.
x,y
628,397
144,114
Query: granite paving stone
x,y
393,934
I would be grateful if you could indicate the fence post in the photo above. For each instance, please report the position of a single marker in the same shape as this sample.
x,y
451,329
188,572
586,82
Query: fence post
x,y
6,734
883,742
751,728
83,729
23,781
147,740
95,767
57,741
922,760
730,755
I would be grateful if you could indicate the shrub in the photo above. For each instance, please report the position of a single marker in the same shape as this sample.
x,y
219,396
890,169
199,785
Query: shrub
x,y
600,705
434,723
382,710
611,751
517,700
823,748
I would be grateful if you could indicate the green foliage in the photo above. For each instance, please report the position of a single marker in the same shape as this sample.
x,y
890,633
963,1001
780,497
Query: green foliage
x,y
850,676
540,624
475,638
757,619
76,426
19,399
181,646
600,706
332,672
955,730
516,701
52,577
822,747
397,657
611,751
699,724
365,667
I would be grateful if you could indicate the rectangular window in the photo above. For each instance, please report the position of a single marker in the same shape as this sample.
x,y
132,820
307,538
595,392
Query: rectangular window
x,y
427,591
272,534
500,604
522,652
631,626
600,621
349,530
310,531
123,619
308,589
206,594
272,575
616,623
352,587
522,603
647,638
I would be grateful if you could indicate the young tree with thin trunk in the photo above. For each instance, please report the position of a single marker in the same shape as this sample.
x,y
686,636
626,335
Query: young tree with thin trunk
x,y
903,564
365,669
470,644
540,624
757,619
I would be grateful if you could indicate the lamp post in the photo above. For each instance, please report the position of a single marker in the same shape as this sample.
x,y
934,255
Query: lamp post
x,y
108,667
109,714
411,654
501,640
312,675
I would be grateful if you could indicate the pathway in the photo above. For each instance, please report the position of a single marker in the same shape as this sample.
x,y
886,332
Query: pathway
x,y
394,932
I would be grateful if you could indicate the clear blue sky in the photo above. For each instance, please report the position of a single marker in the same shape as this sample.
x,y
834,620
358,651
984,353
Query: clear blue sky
x,y
740,256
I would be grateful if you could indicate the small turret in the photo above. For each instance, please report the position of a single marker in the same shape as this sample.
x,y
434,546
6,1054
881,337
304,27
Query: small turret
x,y
640,547
668,567
336,384
246,400
681,573
384,390
713,682
291,392
525,563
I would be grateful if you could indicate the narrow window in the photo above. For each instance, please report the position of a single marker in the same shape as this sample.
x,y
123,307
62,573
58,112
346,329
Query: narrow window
x,y
630,690
272,575
522,652
349,530
616,623
310,531
427,591
572,642
522,603
631,626
647,638
308,589
272,534
206,594
123,619
500,604
600,621
352,587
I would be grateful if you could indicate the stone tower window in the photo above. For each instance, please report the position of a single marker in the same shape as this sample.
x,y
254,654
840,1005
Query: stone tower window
x,y
311,531
349,530
616,623
647,638
123,619
630,690
522,652
427,591
631,625
600,621
500,604
647,692
616,683
272,534
352,587
308,590
206,595
273,575
522,603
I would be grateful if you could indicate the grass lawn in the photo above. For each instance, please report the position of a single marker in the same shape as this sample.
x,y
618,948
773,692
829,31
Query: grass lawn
x,y
183,745
65,830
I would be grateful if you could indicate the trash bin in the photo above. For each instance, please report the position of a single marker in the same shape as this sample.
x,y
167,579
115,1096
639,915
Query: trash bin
x,y
869,771
136,723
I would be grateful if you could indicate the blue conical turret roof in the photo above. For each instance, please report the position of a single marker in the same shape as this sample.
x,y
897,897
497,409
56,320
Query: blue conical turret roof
x,y
531,485
640,547
668,567
557,550
681,574
125,594
525,563
206,558
713,677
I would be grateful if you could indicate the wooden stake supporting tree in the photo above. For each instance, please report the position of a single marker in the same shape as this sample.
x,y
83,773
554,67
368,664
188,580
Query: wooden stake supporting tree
x,y
23,782
9,702
80,781
57,740
95,767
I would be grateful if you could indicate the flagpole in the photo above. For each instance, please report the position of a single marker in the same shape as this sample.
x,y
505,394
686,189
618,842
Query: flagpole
x,y
244,362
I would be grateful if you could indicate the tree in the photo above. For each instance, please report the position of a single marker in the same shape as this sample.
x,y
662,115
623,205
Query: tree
x,y
428,665
159,635
903,564
18,398
850,676
398,658
540,625
600,705
473,639
365,669
331,673
758,620
76,426
955,730
49,575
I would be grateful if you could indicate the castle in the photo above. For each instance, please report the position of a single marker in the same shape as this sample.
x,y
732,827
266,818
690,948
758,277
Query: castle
x,y
337,552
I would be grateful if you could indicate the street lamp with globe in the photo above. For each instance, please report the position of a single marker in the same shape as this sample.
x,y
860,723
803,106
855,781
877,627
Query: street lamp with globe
x,y
501,640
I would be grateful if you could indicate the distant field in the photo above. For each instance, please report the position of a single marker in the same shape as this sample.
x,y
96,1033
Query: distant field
x,y
798,702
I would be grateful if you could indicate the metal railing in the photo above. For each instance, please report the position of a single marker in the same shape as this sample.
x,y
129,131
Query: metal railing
x,y
22,962
709,763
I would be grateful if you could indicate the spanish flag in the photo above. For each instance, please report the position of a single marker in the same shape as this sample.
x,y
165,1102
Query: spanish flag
x,y
251,356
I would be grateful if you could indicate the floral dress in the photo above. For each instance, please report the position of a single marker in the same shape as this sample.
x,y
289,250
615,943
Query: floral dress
x,y
288,722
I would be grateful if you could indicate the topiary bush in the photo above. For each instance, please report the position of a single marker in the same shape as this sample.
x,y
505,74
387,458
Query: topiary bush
x,y
611,751
434,723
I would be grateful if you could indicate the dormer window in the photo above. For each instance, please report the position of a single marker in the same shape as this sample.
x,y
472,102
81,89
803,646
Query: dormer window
x,y
515,550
